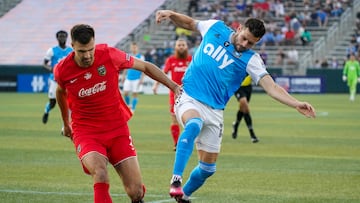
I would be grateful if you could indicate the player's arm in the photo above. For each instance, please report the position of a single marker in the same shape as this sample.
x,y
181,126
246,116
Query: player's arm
x,y
281,95
46,65
62,103
47,58
157,74
180,20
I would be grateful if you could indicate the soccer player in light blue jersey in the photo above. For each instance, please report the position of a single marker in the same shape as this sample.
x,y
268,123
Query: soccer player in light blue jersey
x,y
219,66
53,56
133,80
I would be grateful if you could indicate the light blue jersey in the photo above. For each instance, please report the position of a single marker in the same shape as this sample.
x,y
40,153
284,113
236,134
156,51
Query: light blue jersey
x,y
133,74
55,55
217,69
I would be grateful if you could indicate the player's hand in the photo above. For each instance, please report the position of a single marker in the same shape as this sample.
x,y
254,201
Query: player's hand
x,y
344,78
66,131
358,79
162,15
178,91
306,109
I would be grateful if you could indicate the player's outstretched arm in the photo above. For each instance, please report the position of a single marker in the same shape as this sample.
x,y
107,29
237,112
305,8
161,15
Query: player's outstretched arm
x,y
180,20
281,95
157,74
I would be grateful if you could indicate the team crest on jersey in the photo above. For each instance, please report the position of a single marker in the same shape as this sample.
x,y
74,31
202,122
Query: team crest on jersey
x,y
226,44
237,54
102,70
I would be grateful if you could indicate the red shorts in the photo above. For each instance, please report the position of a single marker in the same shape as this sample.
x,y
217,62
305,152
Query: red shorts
x,y
115,145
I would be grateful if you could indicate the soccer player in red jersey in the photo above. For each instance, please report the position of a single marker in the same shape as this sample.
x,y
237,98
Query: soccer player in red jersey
x,y
88,86
176,65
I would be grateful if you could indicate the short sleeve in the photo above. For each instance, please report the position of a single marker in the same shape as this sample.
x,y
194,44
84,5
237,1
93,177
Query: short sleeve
x,y
121,59
256,68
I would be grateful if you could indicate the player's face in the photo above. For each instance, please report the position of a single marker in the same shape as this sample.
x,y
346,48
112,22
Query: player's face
x,y
84,53
62,38
181,47
243,39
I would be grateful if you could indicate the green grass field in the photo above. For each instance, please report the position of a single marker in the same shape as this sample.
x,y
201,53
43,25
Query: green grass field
x,y
297,160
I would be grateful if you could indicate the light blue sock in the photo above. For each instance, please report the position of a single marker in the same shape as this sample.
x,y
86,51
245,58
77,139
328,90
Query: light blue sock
x,y
198,176
134,103
47,107
127,100
185,144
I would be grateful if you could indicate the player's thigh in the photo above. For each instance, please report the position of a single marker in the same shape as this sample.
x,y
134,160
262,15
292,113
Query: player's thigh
x,y
127,86
129,172
52,89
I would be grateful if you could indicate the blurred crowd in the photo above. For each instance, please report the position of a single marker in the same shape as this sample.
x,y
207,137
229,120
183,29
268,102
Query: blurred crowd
x,y
287,26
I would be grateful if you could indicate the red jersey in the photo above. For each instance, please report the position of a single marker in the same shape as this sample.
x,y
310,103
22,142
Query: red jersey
x,y
93,93
177,67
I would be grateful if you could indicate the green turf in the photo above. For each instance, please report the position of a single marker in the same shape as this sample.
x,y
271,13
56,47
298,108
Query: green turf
x,y
297,160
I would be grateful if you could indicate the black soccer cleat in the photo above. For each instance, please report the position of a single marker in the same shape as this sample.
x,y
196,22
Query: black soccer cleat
x,y
45,118
181,200
235,128
254,139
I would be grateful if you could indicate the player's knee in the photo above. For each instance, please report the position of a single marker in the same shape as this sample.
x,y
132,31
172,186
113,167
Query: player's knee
x,y
206,169
136,192
194,125
100,174
52,103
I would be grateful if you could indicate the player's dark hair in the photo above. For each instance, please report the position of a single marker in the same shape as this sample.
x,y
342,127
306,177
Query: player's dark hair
x,y
256,27
82,33
61,32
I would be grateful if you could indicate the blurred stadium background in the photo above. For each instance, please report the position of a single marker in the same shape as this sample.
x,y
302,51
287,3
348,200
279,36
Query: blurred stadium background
x,y
28,29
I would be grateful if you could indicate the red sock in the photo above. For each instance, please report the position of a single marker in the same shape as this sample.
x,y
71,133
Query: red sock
x,y
175,131
101,193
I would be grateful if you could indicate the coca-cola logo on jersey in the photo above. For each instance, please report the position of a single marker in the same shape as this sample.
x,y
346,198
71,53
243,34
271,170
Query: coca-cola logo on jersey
x,y
99,87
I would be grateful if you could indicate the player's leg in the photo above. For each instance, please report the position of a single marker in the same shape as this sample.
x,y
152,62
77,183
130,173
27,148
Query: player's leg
x,y
175,130
129,172
244,107
52,100
174,126
235,125
208,144
185,146
126,90
187,112
352,88
95,164
122,155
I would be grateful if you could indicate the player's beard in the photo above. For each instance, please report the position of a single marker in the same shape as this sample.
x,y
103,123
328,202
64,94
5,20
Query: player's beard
x,y
181,54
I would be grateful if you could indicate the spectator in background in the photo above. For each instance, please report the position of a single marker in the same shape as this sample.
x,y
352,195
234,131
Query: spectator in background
x,y
351,49
279,37
324,63
193,7
279,9
334,63
290,36
280,57
263,54
292,56
323,17
305,37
